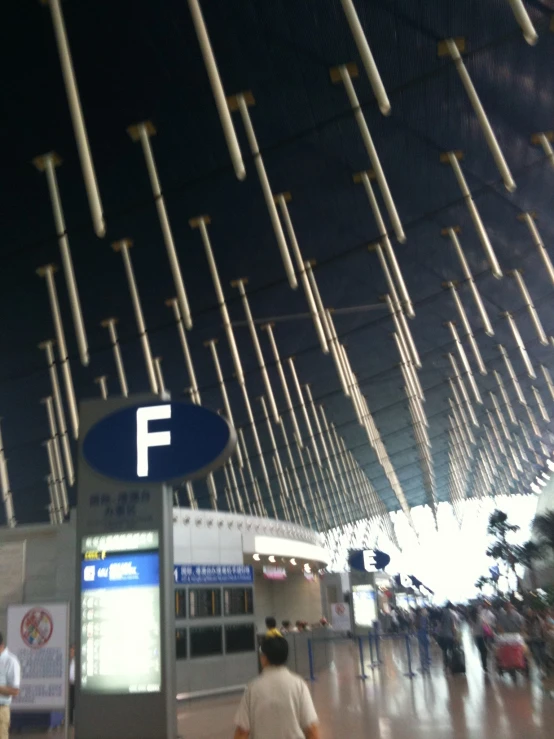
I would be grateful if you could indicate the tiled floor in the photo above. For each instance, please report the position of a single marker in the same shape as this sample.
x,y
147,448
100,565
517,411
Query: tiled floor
x,y
388,705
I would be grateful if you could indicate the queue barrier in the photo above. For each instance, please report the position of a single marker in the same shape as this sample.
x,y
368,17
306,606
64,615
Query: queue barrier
x,y
375,637
312,652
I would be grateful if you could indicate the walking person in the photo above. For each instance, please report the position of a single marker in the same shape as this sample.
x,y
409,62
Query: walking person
x,y
277,704
536,638
10,680
422,630
482,623
448,633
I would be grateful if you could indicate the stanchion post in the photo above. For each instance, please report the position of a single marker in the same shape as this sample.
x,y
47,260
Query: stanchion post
x,y
377,632
311,660
362,675
371,656
411,674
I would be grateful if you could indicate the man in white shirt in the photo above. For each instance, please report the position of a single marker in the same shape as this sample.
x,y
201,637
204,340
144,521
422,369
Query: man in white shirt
x,y
277,704
10,679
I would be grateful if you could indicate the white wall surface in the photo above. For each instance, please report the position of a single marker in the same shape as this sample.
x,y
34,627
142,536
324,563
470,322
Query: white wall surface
x,y
293,599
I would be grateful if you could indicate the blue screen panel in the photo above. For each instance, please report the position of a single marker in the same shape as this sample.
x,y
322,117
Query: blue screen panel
x,y
129,570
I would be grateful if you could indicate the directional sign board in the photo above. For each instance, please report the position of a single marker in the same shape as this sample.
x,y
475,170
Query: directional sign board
x,y
158,442
130,450
368,560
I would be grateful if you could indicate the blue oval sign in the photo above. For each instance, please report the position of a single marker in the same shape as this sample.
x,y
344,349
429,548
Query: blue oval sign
x,y
159,442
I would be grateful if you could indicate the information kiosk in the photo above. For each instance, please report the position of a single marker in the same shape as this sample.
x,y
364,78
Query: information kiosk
x,y
130,451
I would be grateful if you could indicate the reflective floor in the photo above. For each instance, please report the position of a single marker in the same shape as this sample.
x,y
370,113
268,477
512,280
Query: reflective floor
x,y
388,705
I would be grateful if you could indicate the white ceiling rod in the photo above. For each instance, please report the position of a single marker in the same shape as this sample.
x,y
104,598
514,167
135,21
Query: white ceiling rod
x,y
110,324
364,178
281,201
211,344
123,246
516,273
520,345
367,57
465,362
48,273
48,347
7,495
344,74
194,391
201,223
529,219
102,383
492,143
239,284
47,163
452,233
284,384
217,88
505,397
452,159
524,21
467,328
512,374
241,102
77,118
142,132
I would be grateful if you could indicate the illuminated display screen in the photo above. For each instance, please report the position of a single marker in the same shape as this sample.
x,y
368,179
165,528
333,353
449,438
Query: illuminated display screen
x,y
120,614
363,599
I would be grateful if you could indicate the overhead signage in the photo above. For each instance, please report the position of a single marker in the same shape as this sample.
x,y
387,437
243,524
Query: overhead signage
x,y
274,573
213,574
116,581
408,582
38,635
158,442
368,560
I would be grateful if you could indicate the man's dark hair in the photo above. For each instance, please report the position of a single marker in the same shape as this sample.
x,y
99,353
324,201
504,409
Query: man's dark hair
x,y
270,622
1,639
276,650
285,624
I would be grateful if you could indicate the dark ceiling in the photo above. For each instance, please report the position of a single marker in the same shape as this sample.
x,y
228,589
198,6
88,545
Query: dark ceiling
x,y
141,60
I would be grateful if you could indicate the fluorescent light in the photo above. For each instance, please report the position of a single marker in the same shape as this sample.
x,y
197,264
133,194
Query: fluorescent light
x,y
256,557
293,561
271,558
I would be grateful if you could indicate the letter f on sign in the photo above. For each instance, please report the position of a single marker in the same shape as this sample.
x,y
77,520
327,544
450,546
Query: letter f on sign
x,y
145,438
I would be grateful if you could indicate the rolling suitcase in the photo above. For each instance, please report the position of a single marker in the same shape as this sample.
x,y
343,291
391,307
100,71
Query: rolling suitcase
x,y
458,660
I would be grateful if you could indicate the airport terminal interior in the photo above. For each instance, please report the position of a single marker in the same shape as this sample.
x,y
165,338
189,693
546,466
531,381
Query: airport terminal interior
x,y
277,369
